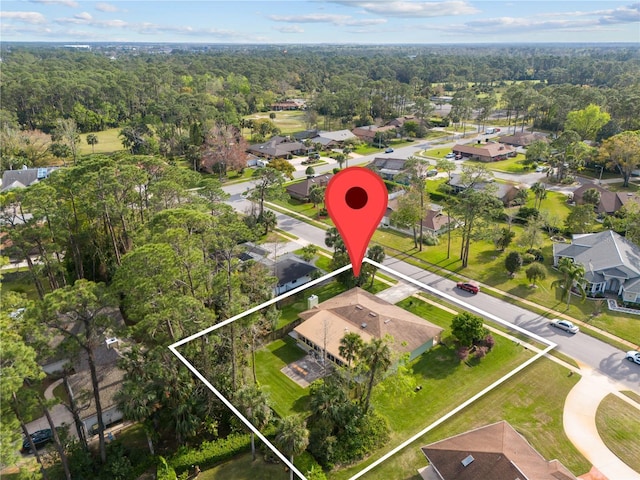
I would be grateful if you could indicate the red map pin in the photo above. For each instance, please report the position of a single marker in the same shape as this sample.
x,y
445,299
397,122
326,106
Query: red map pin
x,y
356,199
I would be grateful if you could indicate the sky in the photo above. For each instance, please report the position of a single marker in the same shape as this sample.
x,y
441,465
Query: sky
x,y
320,21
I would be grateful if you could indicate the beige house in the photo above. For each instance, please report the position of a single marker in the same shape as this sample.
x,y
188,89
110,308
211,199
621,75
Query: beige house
x,y
358,311
485,152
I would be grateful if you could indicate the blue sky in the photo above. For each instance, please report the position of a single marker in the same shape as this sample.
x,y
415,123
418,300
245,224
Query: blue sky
x,y
320,21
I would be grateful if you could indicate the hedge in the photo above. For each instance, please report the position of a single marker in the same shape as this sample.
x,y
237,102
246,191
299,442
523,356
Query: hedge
x,y
210,453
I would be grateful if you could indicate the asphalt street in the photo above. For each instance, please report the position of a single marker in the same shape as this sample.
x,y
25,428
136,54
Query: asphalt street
x,y
587,350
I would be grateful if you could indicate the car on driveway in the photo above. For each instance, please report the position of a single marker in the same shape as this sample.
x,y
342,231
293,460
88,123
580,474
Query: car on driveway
x,y
468,287
450,155
633,356
565,325
40,439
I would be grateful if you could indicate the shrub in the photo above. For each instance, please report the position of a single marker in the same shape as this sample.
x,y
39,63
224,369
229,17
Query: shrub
x,y
528,258
489,342
210,453
480,353
462,353
336,170
430,239
165,471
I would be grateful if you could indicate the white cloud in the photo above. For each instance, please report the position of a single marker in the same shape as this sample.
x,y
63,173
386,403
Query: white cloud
x,y
26,17
106,7
290,29
86,16
511,24
339,20
67,3
408,9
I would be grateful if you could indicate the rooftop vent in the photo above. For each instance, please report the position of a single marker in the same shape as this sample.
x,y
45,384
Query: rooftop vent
x,y
359,307
466,461
363,325
387,321
371,314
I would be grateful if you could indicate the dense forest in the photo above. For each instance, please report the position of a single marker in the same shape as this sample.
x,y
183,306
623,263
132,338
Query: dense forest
x,y
107,88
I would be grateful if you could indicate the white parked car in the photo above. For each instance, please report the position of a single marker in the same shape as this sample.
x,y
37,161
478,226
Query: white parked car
x,y
450,155
633,356
565,325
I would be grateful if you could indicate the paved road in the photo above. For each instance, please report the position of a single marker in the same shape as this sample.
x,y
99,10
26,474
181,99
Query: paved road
x,y
587,350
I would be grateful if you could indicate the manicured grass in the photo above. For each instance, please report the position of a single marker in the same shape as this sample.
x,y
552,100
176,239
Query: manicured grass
x,y
108,142
288,122
632,395
619,427
286,396
530,400
366,149
430,312
244,468
510,165
437,152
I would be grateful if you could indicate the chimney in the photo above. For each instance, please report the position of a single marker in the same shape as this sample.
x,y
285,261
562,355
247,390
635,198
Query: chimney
x,y
312,301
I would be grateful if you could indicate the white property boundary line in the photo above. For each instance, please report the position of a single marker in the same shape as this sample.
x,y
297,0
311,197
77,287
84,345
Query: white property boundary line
x,y
173,348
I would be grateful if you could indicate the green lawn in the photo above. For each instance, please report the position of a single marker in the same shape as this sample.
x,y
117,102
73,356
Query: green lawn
x,y
288,122
619,427
286,396
528,401
510,165
108,142
244,468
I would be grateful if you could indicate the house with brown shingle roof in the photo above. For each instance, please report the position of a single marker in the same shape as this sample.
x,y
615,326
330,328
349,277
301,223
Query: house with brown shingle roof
x,y
496,452
360,312
434,222
368,133
278,147
610,202
300,190
485,152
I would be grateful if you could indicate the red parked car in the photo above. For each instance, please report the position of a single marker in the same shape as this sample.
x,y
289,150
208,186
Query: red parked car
x,y
468,287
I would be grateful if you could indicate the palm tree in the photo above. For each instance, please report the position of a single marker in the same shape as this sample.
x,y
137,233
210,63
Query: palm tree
x,y
92,139
269,221
350,347
316,195
539,189
375,253
572,276
333,239
341,158
377,356
292,437
255,407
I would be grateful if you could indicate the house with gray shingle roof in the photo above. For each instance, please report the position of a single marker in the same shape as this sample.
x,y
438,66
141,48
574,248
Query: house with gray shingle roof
x,y
611,263
24,177
333,139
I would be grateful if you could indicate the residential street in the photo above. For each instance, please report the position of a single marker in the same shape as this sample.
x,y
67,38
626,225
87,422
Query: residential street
x,y
587,350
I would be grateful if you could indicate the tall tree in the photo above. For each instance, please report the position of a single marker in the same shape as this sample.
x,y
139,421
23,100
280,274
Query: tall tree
x,y
587,122
377,254
376,355
622,152
224,149
92,139
253,403
67,131
350,347
86,304
292,437
268,187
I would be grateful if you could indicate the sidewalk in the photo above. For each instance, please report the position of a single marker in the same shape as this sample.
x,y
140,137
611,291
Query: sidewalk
x,y
579,420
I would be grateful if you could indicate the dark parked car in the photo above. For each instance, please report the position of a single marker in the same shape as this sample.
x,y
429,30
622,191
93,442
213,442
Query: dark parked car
x,y
40,439
468,287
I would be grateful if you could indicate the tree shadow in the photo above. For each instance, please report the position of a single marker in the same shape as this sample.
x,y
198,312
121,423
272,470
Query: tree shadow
x,y
438,363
